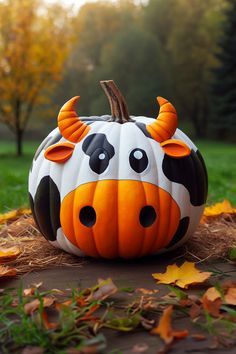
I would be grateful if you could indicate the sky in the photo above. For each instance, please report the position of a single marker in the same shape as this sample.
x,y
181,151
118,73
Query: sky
x,y
78,3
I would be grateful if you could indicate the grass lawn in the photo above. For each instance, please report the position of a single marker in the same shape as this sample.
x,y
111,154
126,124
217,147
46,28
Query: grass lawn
x,y
220,160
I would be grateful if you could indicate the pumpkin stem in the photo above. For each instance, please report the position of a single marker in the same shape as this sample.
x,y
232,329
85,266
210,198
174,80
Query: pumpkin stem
x,y
119,109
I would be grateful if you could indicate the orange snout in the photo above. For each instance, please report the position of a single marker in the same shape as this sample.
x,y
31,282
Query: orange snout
x,y
119,218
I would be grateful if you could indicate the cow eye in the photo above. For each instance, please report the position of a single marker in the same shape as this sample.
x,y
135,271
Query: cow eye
x,y
99,160
138,160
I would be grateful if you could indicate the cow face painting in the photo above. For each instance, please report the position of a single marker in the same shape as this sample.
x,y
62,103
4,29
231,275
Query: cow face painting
x,y
117,186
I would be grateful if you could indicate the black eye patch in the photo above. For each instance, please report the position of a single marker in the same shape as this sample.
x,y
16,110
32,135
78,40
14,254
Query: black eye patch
x,y
100,151
138,160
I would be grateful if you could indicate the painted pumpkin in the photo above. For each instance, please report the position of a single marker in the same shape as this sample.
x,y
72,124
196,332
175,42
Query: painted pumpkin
x,y
117,185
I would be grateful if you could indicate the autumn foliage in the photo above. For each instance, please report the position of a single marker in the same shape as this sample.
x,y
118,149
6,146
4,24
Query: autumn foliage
x,y
34,43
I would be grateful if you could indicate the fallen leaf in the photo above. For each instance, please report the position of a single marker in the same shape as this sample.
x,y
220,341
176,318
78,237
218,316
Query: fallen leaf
x,y
140,348
47,323
230,297
6,271
104,289
164,328
198,336
30,307
13,214
224,207
194,311
212,294
183,276
32,350
146,291
9,254
212,307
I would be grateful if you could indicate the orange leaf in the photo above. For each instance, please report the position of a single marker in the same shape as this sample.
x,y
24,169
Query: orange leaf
x,y
164,328
47,323
212,307
7,271
230,297
212,294
219,208
9,254
183,276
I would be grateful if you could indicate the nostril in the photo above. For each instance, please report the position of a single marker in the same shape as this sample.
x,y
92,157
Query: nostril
x,y
147,216
87,216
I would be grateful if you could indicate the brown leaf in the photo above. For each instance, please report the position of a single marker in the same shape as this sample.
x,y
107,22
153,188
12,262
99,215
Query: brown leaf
x,y
183,276
164,328
30,307
146,291
212,307
9,254
6,271
194,311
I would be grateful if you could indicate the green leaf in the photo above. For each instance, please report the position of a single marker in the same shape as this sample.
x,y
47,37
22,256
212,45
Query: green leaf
x,y
232,254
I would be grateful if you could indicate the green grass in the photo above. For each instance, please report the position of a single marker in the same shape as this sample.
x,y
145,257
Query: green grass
x,y
14,175
220,160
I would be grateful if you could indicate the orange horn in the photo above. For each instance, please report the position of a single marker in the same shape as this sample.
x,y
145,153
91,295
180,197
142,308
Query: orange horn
x,y
166,123
69,124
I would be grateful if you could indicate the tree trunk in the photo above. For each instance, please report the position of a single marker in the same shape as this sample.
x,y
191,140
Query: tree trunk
x,y
19,140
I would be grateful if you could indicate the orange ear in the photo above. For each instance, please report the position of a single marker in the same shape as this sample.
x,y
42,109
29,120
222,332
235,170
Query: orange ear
x,y
60,152
175,148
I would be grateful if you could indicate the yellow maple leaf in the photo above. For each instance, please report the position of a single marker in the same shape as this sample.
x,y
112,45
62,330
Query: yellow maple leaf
x,y
219,208
183,276
9,254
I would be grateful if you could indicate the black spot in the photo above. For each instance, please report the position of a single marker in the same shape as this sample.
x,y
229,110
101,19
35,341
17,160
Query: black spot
x,y
138,160
143,128
147,216
189,171
181,231
46,208
87,216
50,140
100,151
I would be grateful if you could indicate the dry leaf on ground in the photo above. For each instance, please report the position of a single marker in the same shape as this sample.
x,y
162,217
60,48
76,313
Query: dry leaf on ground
x,y
212,294
9,254
224,207
13,214
6,271
183,276
31,306
105,288
164,328
230,297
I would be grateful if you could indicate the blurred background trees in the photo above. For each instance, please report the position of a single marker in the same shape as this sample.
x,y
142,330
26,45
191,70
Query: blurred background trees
x,y
181,49
34,42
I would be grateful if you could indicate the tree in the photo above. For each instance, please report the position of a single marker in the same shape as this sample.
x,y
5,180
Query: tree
x,y
224,87
188,31
33,47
